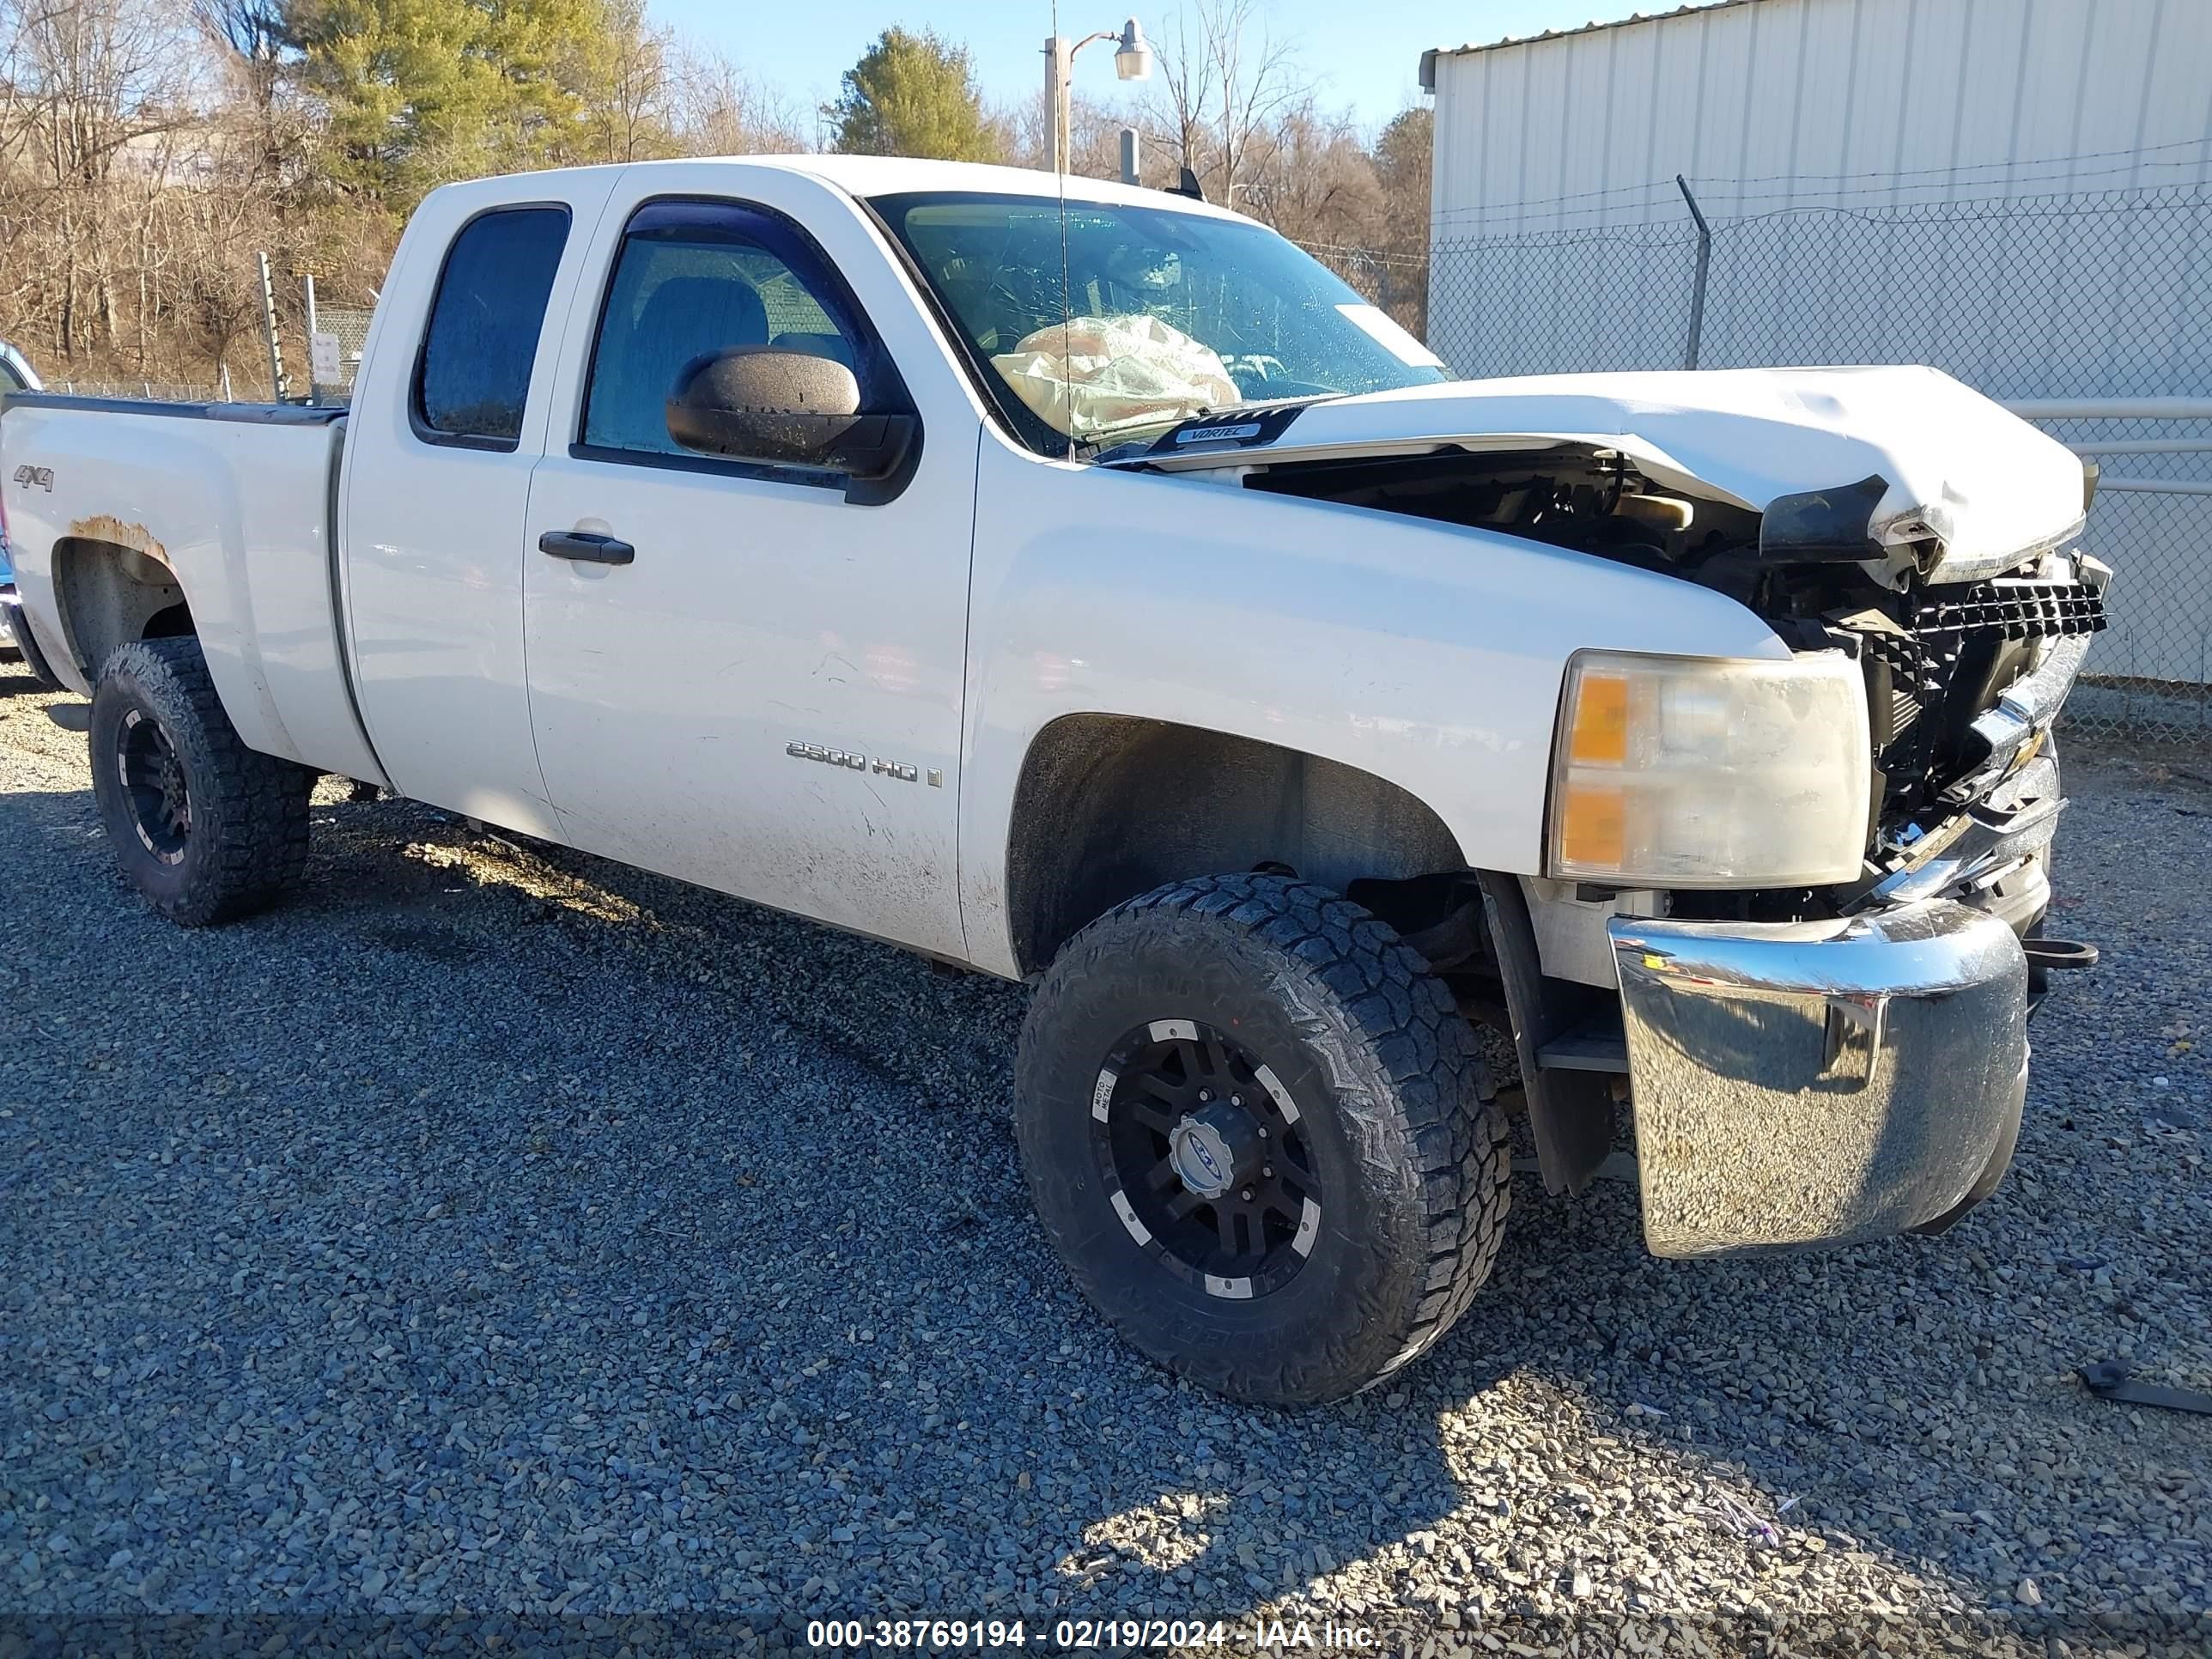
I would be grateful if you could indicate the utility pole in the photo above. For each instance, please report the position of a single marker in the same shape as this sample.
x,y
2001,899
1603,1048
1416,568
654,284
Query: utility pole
x,y
1059,63
1132,61
1133,160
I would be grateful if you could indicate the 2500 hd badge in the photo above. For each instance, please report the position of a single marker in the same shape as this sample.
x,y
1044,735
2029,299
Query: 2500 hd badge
x,y
853,761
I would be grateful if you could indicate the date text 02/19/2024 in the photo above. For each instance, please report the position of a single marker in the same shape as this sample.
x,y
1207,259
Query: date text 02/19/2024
x,y
1083,1635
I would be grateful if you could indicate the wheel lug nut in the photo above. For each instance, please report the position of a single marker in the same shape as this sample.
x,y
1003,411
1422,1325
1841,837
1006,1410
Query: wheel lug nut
x,y
1247,1195
1235,1100
1267,1172
1206,1094
1263,1131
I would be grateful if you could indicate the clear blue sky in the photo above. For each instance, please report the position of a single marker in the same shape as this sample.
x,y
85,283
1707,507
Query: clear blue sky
x,y
1361,56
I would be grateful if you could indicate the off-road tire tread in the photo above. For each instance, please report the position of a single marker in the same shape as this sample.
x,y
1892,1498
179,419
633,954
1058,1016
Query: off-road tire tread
x,y
1438,1103
256,804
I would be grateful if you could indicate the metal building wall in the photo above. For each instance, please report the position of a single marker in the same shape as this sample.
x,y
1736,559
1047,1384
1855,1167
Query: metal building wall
x,y
2018,191
1800,103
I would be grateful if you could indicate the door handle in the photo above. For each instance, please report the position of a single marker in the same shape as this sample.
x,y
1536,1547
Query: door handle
x,y
587,545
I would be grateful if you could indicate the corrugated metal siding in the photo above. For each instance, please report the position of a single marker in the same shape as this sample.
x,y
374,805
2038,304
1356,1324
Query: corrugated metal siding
x,y
1795,103
2018,191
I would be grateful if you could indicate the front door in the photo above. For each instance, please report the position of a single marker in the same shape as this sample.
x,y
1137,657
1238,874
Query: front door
x,y
763,695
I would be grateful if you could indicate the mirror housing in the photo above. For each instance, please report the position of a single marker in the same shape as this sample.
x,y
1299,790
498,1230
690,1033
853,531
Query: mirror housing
x,y
784,409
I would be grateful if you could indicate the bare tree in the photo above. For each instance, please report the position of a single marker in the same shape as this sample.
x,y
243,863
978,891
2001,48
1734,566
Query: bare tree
x,y
250,34
717,109
104,84
1314,181
1094,150
1223,90
1402,162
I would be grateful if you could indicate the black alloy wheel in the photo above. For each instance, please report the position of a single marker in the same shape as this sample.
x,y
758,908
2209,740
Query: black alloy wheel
x,y
1205,1159
152,774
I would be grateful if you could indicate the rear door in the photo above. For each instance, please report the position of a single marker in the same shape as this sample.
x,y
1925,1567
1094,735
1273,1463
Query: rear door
x,y
766,697
448,423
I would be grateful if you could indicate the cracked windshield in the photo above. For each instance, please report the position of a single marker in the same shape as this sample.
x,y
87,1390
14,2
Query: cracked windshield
x,y
1147,316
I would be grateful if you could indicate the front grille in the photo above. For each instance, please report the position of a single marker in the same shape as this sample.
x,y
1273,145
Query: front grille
x,y
2012,608
1945,657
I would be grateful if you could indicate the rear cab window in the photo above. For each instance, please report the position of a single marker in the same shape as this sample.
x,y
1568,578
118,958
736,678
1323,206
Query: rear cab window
x,y
473,377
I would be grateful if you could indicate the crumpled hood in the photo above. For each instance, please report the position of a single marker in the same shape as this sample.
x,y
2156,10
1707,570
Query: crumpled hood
x,y
1981,480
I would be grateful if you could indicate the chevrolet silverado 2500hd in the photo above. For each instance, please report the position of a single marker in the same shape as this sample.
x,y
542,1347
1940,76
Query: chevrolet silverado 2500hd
x,y
1096,591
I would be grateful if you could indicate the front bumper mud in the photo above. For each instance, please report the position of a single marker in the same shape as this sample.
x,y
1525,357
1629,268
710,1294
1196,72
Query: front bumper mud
x,y
1817,1083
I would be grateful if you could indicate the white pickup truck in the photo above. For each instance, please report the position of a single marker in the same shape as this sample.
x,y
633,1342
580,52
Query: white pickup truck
x,y
1092,591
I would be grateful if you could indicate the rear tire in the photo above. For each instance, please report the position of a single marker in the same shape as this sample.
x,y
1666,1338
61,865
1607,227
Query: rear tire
x,y
1341,1086
19,630
208,830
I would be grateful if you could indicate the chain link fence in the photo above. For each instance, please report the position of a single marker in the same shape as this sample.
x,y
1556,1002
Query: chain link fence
x,y
2087,311
1553,302
349,328
2150,675
1396,283
164,391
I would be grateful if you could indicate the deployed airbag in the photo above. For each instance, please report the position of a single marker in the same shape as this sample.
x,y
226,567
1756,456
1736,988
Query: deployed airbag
x,y
1096,374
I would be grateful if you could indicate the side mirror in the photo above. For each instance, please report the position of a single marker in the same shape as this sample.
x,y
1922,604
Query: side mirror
x,y
784,409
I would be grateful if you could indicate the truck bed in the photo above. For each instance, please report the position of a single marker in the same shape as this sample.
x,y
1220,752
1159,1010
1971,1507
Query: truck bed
x,y
199,492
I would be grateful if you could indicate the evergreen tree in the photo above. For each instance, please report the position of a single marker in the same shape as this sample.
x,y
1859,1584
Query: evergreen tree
x,y
913,94
419,91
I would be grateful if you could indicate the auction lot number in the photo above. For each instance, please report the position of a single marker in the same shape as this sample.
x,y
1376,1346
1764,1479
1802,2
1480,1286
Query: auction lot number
x,y
1069,1634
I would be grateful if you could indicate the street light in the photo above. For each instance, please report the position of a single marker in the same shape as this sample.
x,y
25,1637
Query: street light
x,y
1132,61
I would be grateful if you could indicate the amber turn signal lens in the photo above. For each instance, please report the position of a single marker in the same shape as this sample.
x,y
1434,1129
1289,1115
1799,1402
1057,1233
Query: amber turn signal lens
x,y
1601,729
1594,827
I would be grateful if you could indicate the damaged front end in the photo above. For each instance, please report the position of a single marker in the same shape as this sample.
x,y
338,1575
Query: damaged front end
x,y
1810,1064
1967,653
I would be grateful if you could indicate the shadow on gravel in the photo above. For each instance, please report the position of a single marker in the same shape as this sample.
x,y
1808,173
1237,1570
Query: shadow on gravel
x,y
493,1227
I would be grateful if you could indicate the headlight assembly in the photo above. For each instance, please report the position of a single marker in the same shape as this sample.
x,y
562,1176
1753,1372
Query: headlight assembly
x,y
1703,771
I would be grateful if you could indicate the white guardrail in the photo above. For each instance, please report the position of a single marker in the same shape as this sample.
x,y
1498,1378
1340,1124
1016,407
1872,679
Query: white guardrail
x,y
2129,409
2150,674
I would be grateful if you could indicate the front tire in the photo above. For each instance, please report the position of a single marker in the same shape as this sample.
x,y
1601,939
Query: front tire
x,y
208,830
1259,1133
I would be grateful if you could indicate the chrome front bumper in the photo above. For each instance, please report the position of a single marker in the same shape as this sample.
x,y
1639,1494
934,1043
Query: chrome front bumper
x,y
1816,1082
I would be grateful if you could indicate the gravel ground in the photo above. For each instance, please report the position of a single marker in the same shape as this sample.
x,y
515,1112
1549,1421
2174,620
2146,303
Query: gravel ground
x,y
495,1233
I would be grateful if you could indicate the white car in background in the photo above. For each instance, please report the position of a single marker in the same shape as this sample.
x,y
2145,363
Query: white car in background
x,y
16,374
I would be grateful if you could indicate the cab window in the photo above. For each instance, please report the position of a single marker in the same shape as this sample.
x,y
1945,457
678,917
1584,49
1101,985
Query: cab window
x,y
481,340
694,279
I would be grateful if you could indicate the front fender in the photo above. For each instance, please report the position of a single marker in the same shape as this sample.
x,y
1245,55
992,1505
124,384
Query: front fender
x,y
1429,655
